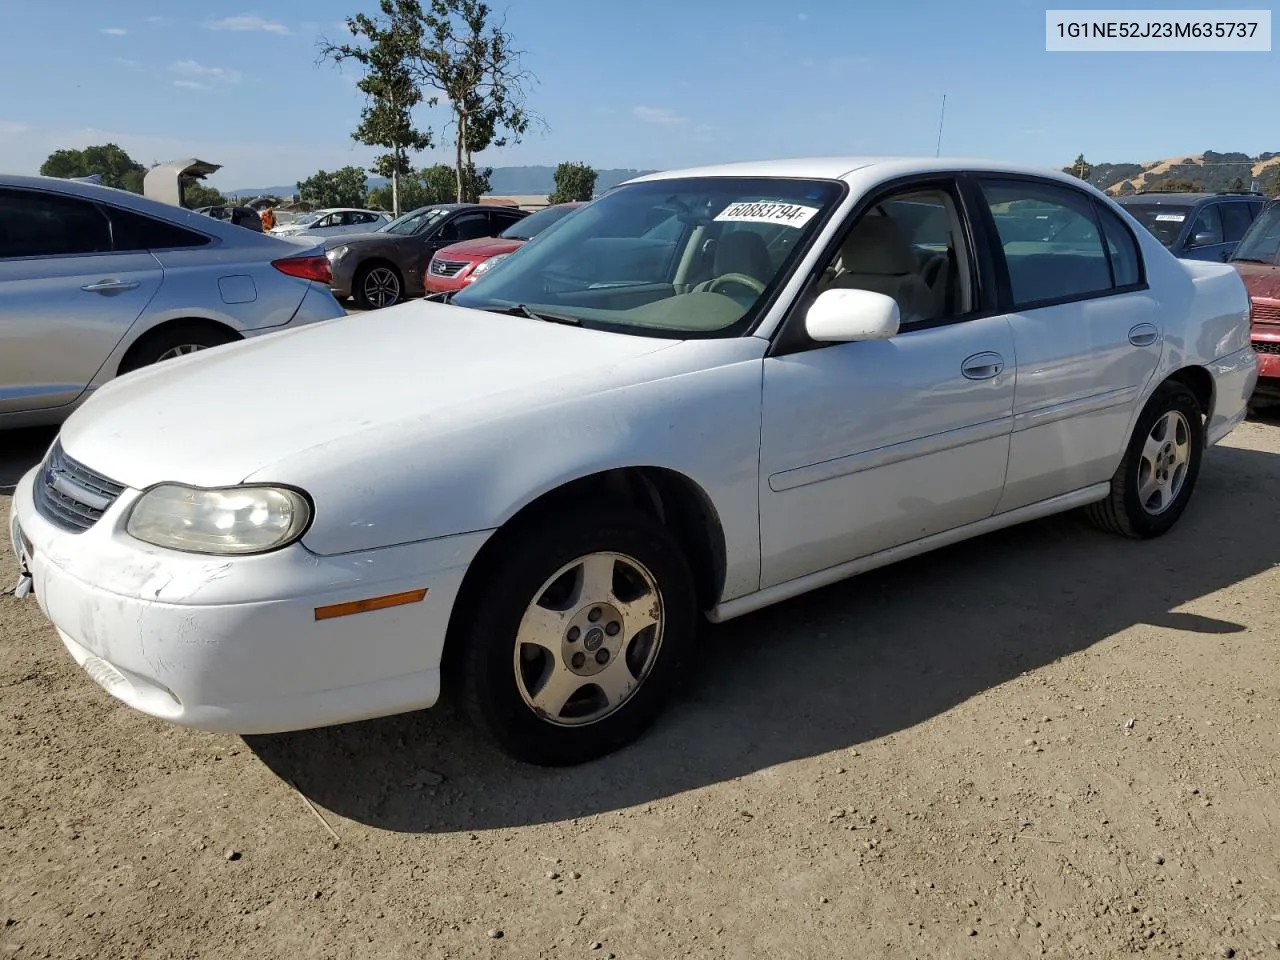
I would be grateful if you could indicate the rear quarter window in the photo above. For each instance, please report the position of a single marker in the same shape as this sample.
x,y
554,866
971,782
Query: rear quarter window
x,y
134,231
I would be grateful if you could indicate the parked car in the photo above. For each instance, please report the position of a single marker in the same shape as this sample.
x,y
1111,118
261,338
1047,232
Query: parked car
x,y
455,266
383,268
334,221
96,282
705,392
1196,226
238,216
1257,259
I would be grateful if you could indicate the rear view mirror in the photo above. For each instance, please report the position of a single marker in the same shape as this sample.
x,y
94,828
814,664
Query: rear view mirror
x,y
843,316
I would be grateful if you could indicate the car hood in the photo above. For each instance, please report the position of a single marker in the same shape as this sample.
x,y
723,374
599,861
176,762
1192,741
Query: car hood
x,y
348,239
1261,279
480,249
217,417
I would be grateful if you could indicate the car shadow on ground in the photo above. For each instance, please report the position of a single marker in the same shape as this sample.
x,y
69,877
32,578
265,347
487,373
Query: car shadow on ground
x,y
20,450
839,667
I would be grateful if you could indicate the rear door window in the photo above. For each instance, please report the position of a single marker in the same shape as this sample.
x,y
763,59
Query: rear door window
x,y
1235,220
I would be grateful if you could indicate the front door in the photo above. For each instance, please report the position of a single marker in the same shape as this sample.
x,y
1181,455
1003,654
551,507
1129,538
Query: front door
x,y
1087,333
866,446
66,300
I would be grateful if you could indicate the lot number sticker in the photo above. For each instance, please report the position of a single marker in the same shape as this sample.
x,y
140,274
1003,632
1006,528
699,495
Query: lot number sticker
x,y
1171,217
766,211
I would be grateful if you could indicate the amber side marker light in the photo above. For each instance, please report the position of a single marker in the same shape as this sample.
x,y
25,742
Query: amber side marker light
x,y
372,603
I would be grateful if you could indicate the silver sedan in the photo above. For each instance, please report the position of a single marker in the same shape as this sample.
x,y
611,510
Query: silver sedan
x,y
96,282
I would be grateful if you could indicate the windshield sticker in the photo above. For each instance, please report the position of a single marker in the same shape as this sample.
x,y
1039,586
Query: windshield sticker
x,y
1171,217
781,214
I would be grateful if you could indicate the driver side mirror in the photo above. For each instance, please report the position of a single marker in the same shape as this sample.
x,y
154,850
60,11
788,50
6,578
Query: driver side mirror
x,y
845,316
1203,239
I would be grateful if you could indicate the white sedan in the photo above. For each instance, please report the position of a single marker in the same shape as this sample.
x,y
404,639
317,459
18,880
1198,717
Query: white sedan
x,y
706,392
333,222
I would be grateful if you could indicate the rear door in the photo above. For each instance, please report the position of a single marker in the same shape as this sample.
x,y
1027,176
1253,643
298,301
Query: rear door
x,y
1087,334
1237,217
67,297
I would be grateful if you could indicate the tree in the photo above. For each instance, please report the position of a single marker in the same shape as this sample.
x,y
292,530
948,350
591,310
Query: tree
x,y
342,188
474,66
419,188
574,181
388,51
1269,181
1080,168
197,194
118,169
1237,185
1126,188
1177,186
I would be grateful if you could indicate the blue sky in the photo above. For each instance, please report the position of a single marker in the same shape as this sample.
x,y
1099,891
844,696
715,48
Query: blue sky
x,y
664,83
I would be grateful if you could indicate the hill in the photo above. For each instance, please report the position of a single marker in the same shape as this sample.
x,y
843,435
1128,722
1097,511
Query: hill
x,y
1209,171
503,182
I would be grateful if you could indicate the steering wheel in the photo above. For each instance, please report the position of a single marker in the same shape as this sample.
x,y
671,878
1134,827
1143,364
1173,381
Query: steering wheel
x,y
751,283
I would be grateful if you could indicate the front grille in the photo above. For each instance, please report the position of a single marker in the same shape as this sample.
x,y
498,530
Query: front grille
x,y
70,495
1271,349
1266,312
447,268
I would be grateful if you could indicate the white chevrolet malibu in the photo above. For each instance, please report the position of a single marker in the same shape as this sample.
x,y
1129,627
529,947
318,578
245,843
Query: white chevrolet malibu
x,y
705,392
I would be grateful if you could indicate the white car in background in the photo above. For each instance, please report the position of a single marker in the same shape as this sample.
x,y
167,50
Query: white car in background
x,y
332,222
705,392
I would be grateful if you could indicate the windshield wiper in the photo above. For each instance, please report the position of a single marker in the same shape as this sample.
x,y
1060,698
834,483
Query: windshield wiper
x,y
521,310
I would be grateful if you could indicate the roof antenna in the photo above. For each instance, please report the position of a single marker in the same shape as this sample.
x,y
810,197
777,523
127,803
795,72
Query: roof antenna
x,y
941,117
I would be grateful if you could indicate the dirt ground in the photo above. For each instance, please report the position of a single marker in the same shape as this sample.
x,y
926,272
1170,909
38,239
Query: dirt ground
x,y
1047,742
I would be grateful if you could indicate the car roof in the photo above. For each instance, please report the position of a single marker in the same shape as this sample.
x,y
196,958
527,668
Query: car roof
x,y
221,229
1160,196
845,168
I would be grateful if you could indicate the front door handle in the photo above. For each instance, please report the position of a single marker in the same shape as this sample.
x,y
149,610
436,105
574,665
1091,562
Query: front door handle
x,y
1144,335
110,286
982,366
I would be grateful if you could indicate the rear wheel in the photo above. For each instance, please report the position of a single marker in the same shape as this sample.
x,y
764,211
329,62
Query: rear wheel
x,y
1154,481
177,340
378,285
572,640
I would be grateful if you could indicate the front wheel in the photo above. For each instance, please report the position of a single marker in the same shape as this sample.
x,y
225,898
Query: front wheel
x,y
378,285
573,639
1154,481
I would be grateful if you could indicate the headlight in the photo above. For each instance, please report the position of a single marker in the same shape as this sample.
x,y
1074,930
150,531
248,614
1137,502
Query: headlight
x,y
336,252
229,520
484,266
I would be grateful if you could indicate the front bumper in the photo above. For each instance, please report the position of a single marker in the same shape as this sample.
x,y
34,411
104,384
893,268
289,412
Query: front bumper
x,y
234,644
1266,344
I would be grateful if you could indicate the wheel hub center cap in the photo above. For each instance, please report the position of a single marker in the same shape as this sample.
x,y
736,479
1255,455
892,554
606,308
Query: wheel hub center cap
x,y
592,639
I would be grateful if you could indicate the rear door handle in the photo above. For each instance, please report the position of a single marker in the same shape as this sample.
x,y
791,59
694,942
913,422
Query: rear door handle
x,y
982,366
109,286
1144,335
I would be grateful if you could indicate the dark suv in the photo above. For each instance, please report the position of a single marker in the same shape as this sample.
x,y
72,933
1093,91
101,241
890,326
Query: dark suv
x,y
1196,226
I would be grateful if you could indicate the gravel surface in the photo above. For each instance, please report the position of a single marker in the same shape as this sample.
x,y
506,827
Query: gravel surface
x,y
1046,742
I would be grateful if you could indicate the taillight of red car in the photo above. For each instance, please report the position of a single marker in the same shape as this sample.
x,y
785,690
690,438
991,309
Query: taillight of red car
x,y
305,268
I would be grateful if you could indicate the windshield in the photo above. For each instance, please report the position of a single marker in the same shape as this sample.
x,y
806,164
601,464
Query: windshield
x,y
412,222
1261,242
1165,220
688,257
306,220
535,223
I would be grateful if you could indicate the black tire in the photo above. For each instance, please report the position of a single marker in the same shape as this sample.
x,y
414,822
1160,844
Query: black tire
x,y
508,583
363,298
152,346
1123,512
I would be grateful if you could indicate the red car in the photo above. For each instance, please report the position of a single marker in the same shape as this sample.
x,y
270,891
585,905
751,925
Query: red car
x,y
1257,259
456,265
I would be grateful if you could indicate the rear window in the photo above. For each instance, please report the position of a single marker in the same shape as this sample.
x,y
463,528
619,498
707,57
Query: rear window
x,y
1165,220
133,231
